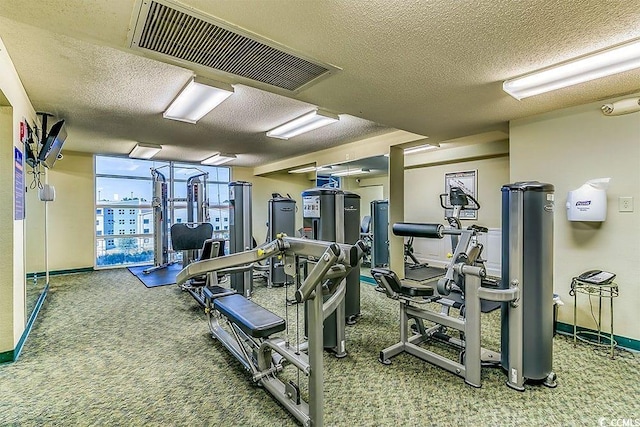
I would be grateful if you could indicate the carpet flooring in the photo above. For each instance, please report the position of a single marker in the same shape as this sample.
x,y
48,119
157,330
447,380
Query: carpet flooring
x,y
107,351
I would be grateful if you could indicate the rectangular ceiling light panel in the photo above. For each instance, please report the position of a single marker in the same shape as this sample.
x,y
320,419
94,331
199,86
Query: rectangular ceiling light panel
x,y
196,99
167,28
604,63
144,151
218,159
305,123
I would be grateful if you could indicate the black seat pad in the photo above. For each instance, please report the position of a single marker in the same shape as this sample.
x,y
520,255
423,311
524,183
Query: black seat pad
x,y
416,291
253,319
400,287
215,291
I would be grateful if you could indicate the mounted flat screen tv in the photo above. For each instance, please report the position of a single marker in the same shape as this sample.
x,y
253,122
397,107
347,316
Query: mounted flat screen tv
x,y
52,146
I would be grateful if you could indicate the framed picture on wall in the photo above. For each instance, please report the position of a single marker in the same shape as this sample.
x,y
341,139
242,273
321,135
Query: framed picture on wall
x,y
468,182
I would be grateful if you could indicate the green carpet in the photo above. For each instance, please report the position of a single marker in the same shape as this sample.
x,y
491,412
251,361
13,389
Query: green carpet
x,y
108,351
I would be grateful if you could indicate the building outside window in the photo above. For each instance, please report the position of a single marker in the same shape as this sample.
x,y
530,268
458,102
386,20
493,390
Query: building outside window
x,y
124,213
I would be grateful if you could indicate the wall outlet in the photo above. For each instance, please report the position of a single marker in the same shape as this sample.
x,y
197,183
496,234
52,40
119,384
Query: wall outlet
x,y
625,204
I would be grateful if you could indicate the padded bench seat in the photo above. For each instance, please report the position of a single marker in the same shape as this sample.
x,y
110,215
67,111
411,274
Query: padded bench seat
x,y
253,319
215,291
399,287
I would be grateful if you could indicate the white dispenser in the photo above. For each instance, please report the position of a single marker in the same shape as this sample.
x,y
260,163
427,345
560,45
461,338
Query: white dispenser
x,y
589,202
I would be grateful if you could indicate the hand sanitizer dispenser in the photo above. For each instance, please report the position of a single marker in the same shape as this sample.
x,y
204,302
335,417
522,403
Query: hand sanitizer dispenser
x,y
589,202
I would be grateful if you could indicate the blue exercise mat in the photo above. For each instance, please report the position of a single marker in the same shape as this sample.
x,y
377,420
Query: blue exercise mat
x,y
161,277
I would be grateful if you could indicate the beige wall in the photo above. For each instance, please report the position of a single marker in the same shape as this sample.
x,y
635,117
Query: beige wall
x,y
7,261
423,187
368,190
72,215
567,148
261,190
14,106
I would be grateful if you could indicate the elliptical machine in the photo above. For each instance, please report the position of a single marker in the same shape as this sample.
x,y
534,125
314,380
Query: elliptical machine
x,y
459,201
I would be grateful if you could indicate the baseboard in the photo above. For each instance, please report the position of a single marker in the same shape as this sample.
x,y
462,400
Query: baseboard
x,y
6,356
13,355
624,342
60,272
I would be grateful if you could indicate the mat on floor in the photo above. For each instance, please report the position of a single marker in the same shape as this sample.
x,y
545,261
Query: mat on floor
x,y
161,277
423,273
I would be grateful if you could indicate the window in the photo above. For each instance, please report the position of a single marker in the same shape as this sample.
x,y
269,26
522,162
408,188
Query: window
x,y
124,191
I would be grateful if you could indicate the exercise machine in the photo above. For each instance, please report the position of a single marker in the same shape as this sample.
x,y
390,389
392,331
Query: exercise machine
x,y
458,201
240,233
351,236
526,294
379,232
410,260
282,220
159,204
197,206
333,216
249,331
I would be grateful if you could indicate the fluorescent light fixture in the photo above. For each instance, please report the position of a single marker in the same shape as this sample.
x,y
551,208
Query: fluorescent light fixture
x,y
420,148
614,60
144,151
196,99
311,169
305,123
349,172
219,159
304,170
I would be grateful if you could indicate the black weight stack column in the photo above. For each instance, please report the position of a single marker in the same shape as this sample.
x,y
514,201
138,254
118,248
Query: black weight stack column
x,y
282,219
351,236
240,232
527,259
323,219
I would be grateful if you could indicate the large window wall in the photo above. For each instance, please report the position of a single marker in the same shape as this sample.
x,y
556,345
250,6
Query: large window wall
x,y
124,213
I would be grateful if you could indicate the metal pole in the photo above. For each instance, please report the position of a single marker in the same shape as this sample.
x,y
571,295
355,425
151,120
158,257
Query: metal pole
x,y
316,376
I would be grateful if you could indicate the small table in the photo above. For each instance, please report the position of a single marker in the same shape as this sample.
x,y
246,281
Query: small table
x,y
606,291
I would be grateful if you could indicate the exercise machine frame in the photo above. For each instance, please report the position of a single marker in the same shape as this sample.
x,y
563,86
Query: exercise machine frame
x,y
462,266
256,352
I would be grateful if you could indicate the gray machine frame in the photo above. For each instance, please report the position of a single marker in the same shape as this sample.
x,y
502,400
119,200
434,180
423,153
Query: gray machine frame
x,y
159,203
526,293
162,204
264,357
411,308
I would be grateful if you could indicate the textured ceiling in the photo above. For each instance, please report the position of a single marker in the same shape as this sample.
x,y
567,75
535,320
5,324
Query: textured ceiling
x,y
432,68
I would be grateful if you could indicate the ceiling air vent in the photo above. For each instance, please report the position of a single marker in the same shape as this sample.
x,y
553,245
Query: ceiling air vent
x,y
186,35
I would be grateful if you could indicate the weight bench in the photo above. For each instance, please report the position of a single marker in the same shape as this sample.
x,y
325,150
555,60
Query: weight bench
x,y
254,320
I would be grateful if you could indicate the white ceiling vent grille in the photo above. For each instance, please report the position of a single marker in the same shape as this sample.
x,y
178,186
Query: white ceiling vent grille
x,y
169,29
